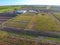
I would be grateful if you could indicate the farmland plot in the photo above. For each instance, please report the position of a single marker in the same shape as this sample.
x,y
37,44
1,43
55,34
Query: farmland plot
x,y
57,15
20,22
40,22
46,22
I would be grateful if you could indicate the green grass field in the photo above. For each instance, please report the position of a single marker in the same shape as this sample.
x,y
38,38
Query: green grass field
x,y
20,21
42,22
12,38
46,22
8,8
28,21
57,15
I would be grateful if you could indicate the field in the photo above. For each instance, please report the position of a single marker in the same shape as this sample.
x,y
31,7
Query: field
x,y
8,8
42,28
40,22
57,15
20,39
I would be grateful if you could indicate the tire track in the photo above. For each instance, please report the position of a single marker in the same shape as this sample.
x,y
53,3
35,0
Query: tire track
x,y
31,23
